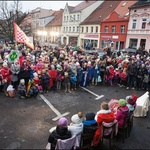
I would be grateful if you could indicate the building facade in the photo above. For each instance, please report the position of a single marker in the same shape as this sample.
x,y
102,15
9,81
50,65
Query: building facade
x,y
114,27
138,35
90,27
72,17
54,28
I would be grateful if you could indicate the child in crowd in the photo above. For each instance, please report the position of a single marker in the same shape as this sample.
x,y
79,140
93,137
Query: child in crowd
x,y
22,88
67,82
45,79
123,78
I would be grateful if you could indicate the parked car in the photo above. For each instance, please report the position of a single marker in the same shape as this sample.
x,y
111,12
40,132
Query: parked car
x,y
125,50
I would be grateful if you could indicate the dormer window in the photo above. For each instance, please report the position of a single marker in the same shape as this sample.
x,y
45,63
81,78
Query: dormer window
x,y
124,4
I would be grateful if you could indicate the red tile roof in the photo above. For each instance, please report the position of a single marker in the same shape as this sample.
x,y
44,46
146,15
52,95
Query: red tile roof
x,y
122,9
57,21
101,12
83,5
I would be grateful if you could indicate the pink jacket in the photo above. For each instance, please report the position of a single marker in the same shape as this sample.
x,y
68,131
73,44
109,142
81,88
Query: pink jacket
x,y
122,112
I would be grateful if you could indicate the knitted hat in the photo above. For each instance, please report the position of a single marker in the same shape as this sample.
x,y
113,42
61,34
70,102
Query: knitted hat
x,y
22,81
63,122
134,97
122,102
130,100
5,64
76,119
35,74
90,116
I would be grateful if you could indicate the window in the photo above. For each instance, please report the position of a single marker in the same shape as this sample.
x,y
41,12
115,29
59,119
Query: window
x,y
87,29
96,29
67,18
73,29
134,24
78,17
64,18
122,30
106,29
77,28
91,29
66,29
82,29
113,29
69,29
143,23
74,17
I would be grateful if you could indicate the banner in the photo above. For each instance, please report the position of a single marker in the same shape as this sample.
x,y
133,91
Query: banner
x,y
21,37
14,55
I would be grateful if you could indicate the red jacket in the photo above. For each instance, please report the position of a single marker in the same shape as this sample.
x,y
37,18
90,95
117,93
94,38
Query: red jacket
x,y
6,74
123,76
109,117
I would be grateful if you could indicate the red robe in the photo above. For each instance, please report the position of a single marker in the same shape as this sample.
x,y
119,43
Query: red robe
x,y
109,117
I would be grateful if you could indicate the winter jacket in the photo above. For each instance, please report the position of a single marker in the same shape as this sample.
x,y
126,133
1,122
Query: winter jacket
x,y
102,116
60,133
121,114
15,69
6,74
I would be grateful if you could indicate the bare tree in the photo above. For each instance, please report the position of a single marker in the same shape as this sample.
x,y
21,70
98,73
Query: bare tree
x,y
9,12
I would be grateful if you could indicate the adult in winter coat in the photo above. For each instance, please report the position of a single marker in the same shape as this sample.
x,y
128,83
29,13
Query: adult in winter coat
x,y
61,132
122,112
131,71
25,72
15,69
104,115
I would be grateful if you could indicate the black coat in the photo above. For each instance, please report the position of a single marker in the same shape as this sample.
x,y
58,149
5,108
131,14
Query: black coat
x,y
60,133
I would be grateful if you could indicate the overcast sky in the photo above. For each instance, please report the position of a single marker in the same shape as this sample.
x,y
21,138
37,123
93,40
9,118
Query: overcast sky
x,y
55,5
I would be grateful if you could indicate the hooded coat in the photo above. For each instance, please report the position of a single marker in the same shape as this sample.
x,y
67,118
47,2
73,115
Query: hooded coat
x,y
60,133
122,112
102,116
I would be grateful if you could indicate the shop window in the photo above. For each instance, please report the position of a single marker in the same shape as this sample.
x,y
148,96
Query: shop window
x,y
133,43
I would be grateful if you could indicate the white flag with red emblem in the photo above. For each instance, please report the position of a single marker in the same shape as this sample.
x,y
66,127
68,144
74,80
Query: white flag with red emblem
x,y
21,37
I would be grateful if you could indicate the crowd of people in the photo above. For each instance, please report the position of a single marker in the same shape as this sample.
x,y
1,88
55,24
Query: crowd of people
x,y
92,122
66,68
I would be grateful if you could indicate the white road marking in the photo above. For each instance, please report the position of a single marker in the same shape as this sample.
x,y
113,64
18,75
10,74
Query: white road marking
x,y
59,115
97,96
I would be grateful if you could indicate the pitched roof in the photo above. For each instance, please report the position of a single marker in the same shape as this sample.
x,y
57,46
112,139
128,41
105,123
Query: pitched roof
x,y
57,20
70,8
123,8
82,5
101,12
141,3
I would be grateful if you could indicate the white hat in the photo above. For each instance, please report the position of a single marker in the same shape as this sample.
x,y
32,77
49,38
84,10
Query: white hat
x,y
22,81
77,64
35,74
5,64
76,119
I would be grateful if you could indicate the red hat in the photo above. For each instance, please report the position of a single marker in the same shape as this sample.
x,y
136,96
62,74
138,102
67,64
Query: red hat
x,y
134,96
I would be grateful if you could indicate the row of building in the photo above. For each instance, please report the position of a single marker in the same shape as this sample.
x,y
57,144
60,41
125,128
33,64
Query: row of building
x,y
93,24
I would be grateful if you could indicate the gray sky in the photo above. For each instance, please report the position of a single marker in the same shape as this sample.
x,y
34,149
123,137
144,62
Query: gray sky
x,y
55,5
